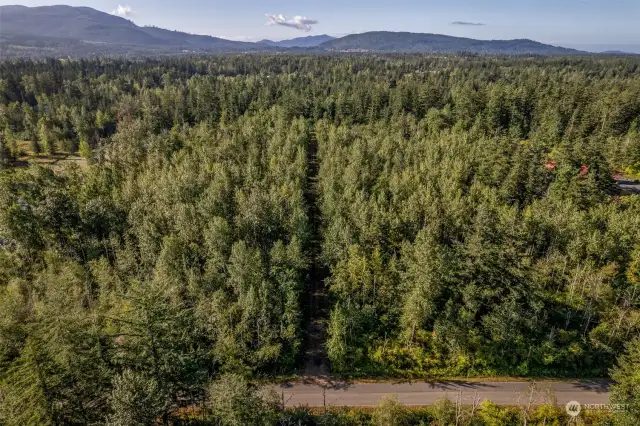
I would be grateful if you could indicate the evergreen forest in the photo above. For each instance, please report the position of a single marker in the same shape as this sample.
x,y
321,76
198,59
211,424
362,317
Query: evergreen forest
x,y
247,217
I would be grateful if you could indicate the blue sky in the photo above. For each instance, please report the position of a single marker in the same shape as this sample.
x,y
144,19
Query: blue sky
x,y
606,23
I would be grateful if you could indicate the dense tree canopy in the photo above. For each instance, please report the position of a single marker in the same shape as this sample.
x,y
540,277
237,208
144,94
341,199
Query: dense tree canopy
x,y
464,208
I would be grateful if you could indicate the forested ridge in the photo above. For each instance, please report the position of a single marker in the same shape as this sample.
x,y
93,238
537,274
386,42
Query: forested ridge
x,y
65,31
423,216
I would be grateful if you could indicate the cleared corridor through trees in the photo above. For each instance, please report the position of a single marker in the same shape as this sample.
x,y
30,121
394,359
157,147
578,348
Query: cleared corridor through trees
x,y
316,312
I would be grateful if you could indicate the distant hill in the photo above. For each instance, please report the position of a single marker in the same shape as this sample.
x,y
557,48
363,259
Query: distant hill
x,y
309,41
83,29
617,52
60,31
385,41
66,22
618,49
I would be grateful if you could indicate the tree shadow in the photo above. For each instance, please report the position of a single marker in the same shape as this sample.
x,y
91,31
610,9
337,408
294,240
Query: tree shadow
x,y
320,381
598,386
453,385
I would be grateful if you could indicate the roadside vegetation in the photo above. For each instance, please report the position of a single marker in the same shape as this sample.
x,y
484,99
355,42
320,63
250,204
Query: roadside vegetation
x,y
388,412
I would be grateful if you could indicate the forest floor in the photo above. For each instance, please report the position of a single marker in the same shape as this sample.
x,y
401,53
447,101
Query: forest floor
x,y
56,161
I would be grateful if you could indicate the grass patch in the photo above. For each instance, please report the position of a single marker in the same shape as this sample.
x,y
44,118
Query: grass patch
x,y
25,156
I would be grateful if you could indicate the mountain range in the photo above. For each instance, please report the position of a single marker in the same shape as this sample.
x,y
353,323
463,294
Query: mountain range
x,y
309,41
85,29
385,41
62,31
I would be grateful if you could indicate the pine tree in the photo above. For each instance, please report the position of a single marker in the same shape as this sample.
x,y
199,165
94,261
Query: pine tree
x,y
626,391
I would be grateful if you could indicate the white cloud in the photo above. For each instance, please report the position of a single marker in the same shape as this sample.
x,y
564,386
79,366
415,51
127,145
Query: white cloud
x,y
473,24
123,11
301,23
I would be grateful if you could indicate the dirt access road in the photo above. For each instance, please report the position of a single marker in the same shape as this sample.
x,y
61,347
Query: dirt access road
x,y
314,393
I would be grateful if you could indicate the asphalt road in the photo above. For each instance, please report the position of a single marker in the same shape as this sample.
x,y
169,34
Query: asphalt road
x,y
628,187
310,393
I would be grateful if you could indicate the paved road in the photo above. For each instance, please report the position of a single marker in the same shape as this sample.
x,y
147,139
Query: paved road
x,y
628,187
426,393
